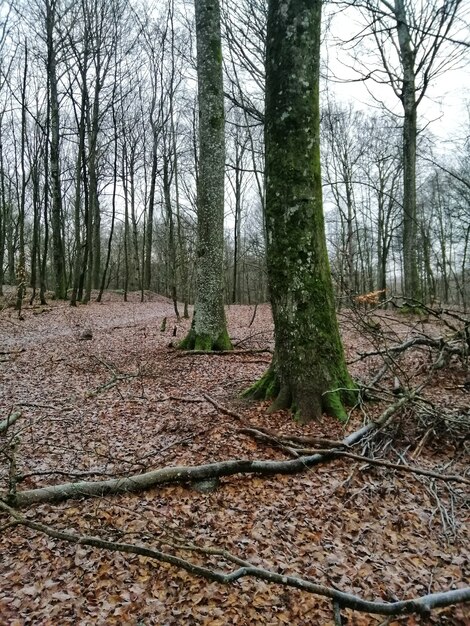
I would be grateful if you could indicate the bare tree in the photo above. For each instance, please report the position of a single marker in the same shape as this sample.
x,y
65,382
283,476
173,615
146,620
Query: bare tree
x,y
413,43
209,330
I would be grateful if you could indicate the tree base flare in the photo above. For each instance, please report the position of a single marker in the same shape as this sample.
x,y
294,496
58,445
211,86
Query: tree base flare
x,y
304,407
206,343
265,388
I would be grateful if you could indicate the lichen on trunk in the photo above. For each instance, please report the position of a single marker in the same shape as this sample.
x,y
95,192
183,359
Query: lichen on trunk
x,y
209,329
309,372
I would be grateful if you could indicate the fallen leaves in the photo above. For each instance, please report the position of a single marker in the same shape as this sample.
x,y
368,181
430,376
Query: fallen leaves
x,y
364,529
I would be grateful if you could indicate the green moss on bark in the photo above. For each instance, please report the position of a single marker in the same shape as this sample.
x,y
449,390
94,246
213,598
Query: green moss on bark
x,y
333,401
205,342
208,330
309,357
265,388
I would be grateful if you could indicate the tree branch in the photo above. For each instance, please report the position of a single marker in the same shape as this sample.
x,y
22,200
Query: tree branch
x,y
185,474
11,419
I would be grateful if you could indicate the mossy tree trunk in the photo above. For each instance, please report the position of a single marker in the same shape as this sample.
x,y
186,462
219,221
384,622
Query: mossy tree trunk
x,y
208,329
309,373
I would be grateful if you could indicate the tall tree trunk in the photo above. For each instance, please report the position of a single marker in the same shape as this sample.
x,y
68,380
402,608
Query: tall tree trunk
x,y
126,219
408,97
95,234
79,247
43,270
209,329
35,256
150,212
135,234
171,231
21,268
309,372
56,209
113,203
10,235
3,209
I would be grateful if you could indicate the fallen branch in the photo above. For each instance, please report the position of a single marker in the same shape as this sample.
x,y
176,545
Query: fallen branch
x,y
440,343
183,399
313,441
282,443
11,419
110,384
269,436
274,442
224,409
421,605
184,474
147,480
5,352
449,478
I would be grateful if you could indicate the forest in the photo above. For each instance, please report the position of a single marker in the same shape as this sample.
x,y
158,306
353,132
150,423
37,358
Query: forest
x,y
234,332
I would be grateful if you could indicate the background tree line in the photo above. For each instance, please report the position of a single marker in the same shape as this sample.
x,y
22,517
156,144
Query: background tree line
x,y
99,156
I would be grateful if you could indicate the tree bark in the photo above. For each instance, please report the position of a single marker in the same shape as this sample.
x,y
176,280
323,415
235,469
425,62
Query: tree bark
x,y
21,268
56,211
309,372
410,278
209,329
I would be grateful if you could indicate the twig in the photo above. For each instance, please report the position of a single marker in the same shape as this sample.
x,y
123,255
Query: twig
x,y
402,468
440,343
117,378
173,445
5,352
36,405
181,399
272,441
224,409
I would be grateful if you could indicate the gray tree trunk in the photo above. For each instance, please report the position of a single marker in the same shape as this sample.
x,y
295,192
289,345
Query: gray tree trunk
x,y
56,209
408,97
209,330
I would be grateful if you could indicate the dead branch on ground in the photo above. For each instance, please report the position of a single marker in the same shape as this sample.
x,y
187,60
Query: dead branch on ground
x,y
11,419
421,605
248,351
185,474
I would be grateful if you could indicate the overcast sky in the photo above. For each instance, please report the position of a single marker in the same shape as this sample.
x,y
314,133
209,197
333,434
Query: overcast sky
x,y
443,108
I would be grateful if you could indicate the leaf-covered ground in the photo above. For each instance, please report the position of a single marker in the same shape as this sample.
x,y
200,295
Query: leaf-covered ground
x,y
102,393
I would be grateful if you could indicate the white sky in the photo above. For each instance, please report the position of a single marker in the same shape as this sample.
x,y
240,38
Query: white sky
x,y
444,106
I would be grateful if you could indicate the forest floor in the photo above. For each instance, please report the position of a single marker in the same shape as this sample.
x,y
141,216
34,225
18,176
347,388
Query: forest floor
x,y
103,393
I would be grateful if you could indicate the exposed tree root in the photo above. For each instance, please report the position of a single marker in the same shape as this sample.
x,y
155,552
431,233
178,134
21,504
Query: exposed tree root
x,y
331,402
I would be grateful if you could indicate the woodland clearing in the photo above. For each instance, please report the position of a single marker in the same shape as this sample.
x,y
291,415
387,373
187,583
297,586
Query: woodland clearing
x,y
99,392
